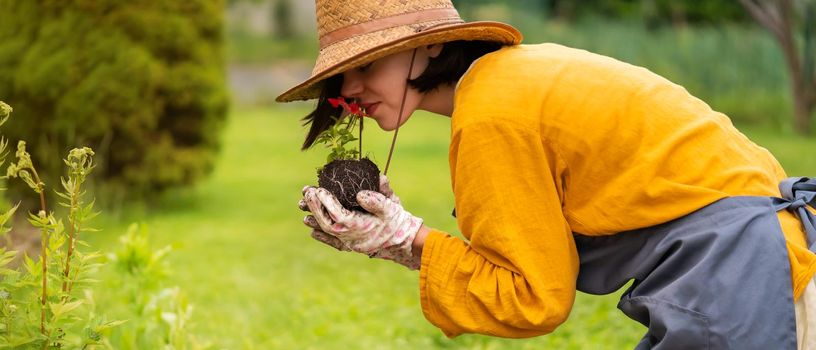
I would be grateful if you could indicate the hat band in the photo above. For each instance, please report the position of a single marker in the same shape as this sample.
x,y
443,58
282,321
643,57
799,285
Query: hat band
x,y
389,22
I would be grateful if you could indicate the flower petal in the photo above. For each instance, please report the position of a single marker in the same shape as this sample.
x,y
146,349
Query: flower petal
x,y
354,108
336,102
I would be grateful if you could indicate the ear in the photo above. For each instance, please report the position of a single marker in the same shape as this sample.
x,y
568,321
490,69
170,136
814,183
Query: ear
x,y
434,50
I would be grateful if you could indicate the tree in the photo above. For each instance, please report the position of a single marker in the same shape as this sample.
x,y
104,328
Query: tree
x,y
783,18
141,81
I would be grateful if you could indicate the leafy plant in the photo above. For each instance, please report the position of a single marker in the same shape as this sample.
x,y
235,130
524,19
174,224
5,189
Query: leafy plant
x,y
48,302
337,137
141,82
159,316
45,304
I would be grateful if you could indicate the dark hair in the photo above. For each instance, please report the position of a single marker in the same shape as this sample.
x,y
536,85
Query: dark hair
x,y
445,69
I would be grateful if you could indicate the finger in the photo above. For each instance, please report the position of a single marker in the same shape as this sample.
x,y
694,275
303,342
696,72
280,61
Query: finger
x,y
385,186
373,202
305,188
336,210
310,221
317,210
329,240
302,205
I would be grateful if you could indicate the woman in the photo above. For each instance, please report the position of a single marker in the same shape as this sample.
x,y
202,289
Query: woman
x,y
570,171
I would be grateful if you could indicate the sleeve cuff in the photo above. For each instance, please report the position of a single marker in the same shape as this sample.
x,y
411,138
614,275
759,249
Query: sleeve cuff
x,y
432,274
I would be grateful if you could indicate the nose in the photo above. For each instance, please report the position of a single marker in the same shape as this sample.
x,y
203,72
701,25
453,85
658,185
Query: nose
x,y
352,84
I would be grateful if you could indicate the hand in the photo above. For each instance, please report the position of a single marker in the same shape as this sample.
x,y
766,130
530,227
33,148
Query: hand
x,y
385,188
386,233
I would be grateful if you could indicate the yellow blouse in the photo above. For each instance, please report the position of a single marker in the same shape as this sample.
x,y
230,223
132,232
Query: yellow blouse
x,y
549,140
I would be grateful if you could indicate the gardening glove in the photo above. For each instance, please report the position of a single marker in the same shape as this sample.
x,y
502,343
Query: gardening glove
x,y
325,238
385,188
386,233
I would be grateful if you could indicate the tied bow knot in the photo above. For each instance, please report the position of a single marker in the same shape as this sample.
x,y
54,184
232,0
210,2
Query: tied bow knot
x,y
797,194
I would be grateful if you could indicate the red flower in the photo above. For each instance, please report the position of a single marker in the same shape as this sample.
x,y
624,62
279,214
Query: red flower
x,y
352,108
336,102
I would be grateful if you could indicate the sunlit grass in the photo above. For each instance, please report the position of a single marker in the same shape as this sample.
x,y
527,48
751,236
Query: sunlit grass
x,y
259,282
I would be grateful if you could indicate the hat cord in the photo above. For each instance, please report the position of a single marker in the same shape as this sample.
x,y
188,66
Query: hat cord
x,y
399,119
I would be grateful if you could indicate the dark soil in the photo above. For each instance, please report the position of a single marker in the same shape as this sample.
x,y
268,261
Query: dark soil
x,y
344,178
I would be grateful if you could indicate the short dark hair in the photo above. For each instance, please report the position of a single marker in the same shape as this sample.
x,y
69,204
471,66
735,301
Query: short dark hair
x,y
445,69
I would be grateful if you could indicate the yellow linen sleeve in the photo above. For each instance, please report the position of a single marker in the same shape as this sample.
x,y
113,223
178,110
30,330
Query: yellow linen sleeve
x,y
517,276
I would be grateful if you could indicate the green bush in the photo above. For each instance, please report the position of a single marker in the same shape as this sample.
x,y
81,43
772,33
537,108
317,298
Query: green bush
x,y
142,82
47,300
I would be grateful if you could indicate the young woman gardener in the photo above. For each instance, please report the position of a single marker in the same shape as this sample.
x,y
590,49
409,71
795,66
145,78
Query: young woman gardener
x,y
570,171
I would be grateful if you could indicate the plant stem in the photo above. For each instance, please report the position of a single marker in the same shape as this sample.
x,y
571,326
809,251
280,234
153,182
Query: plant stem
x,y
43,254
66,287
71,237
8,319
360,154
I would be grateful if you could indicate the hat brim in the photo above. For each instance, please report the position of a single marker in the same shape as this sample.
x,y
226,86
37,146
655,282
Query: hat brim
x,y
363,49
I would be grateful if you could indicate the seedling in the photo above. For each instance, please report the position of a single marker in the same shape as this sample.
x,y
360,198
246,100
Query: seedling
x,y
346,171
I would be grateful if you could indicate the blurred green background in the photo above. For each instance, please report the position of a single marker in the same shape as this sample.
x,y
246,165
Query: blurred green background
x,y
241,255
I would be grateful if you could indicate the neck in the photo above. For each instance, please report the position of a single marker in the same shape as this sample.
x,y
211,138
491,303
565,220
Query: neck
x,y
439,101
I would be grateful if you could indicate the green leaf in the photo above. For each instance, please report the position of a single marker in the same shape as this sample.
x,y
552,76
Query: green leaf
x,y
111,324
32,267
6,256
38,221
59,309
8,214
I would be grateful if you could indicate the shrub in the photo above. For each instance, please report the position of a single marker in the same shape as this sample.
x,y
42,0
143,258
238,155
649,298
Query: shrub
x,y
48,302
144,78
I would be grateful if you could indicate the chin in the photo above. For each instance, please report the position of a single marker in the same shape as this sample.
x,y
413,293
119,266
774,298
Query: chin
x,y
385,127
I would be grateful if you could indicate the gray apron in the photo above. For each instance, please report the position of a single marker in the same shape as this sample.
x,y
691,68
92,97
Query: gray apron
x,y
718,278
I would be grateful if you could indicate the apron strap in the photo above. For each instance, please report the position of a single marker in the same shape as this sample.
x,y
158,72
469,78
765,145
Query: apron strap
x,y
797,193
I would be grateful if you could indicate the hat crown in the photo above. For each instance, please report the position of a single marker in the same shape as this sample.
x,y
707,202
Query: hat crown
x,y
354,32
333,15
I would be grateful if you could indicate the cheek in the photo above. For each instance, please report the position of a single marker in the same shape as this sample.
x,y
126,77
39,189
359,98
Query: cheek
x,y
389,116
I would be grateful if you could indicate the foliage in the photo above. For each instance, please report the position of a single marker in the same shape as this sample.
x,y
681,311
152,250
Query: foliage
x,y
158,316
337,137
44,304
49,302
144,78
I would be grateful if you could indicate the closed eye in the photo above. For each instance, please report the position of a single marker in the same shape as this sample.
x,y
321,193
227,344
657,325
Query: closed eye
x,y
365,67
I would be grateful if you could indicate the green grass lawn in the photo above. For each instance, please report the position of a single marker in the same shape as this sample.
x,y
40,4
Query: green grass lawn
x,y
258,281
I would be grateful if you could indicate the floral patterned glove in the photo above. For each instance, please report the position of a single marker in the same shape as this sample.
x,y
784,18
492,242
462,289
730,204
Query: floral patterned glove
x,y
386,233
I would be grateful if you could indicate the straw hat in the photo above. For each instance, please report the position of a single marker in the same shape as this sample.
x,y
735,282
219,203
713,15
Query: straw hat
x,y
355,32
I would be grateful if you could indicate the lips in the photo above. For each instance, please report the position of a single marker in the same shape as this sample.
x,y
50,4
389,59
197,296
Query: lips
x,y
370,108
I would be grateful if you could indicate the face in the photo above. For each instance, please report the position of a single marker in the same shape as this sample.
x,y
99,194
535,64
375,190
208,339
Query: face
x,y
379,86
